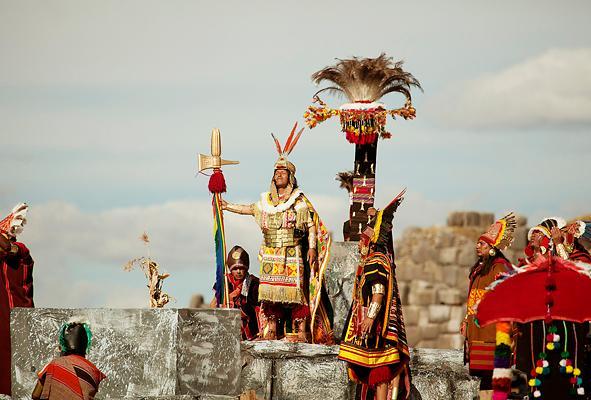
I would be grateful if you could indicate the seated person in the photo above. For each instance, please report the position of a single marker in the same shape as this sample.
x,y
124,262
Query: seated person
x,y
70,376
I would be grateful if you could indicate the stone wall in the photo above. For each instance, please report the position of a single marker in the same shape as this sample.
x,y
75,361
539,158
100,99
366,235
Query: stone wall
x,y
432,270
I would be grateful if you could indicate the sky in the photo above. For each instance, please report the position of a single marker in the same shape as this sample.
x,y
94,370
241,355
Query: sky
x,y
104,106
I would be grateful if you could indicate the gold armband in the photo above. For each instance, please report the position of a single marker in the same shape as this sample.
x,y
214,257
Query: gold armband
x,y
373,310
561,250
378,288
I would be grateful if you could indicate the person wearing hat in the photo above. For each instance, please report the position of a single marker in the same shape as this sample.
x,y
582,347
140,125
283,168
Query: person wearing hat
x,y
16,283
540,239
480,343
243,291
567,241
293,256
374,341
70,376
551,237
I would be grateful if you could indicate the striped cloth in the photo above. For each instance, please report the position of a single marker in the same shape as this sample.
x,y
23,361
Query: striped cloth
x,y
70,377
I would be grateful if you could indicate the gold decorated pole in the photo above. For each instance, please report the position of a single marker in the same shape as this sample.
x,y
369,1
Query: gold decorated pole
x,y
217,186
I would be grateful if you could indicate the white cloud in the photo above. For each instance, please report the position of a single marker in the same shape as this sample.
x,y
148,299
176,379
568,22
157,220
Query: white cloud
x,y
553,88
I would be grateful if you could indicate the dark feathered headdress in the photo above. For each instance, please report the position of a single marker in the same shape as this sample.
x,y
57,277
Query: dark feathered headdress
x,y
364,81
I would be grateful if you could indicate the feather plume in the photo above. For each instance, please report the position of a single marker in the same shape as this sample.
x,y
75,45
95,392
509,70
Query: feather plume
x,y
367,79
290,138
346,180
277,145
293,143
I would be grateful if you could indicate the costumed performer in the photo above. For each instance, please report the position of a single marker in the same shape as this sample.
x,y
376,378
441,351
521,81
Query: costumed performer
x,y
532,340
480,342
70,376
16,283
293,255
374,340
243,289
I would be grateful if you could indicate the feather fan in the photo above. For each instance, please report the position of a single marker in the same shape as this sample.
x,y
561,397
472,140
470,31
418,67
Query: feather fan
x,y
367,79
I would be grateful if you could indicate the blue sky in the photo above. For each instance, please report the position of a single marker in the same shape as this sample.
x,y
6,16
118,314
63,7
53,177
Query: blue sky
x,y
105,105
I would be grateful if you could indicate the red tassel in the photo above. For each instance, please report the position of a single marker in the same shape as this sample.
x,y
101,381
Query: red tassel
x,y
217,183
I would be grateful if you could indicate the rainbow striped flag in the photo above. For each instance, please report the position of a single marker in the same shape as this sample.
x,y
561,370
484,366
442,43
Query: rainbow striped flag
x,y
221,288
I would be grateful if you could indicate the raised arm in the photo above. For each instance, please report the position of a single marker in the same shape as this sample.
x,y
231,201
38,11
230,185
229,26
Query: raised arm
x,y
244,209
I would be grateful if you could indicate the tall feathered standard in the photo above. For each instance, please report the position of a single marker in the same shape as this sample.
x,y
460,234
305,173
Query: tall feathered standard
x,y
367,79
363,81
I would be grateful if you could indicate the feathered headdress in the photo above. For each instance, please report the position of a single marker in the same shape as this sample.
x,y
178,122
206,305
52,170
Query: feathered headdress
x,y
13,224
500,233
363,81
283,163
290,143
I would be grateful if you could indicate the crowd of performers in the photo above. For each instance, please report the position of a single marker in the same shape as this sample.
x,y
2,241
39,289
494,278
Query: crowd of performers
x,y
289,301
539,356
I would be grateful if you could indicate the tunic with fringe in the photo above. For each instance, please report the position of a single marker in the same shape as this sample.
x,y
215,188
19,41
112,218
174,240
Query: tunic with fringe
x,y
289,230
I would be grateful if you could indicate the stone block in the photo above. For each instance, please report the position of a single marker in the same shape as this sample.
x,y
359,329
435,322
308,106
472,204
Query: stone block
x,y
411,315
138,349
443,238
422,297
467,256
441,375
455,319
257,375
521,220
433,272
339,278
448,255
449,296
406,269
450,275
207,350
429,331
520,236
439,313
423,252
450,341
305,379
413,334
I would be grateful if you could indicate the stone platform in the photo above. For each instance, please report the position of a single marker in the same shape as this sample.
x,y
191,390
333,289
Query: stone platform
x,y
290,371
145,353
170,354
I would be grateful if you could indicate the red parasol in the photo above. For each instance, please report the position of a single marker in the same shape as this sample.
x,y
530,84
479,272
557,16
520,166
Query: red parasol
x,y
548,289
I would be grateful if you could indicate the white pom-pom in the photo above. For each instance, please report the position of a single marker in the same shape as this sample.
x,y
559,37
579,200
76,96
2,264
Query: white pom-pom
x,y
581,390
545,364
537,393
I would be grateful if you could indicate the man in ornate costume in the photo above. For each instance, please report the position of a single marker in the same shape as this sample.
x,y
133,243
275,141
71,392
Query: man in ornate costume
x,y
293,255
16,283
374,340
70,376
479,344
243,291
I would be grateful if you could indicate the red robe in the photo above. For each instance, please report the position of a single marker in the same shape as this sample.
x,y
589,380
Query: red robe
x,y
16,290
